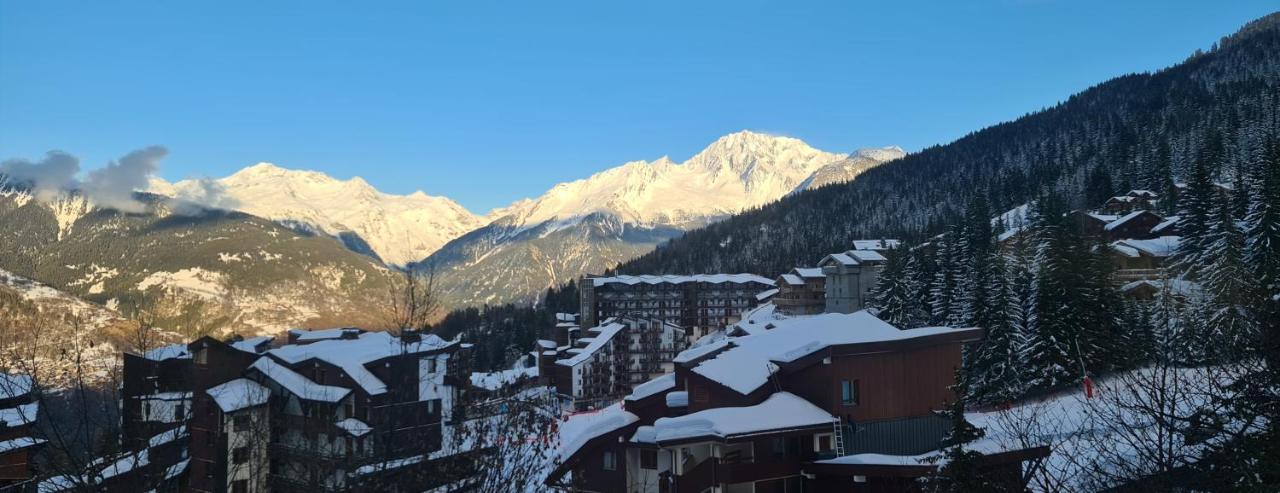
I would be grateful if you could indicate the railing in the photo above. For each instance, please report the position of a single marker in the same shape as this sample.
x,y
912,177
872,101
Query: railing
x,y
1129,275
701,477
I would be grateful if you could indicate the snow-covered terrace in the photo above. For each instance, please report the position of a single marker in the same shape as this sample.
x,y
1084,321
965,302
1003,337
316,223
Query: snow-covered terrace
x,y
782,411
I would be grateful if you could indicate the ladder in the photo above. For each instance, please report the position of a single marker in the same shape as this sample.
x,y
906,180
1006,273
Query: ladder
x,y
837,436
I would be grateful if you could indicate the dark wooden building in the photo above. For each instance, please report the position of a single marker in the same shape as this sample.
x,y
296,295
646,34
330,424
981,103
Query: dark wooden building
x,y
834,402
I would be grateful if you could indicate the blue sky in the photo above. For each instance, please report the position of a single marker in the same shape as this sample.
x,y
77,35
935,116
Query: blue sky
x,y
487,102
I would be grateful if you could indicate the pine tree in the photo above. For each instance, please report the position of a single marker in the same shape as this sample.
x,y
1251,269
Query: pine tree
x,y
1262,238
1049,353
945,279
995,368
893,290
1230,286
1195,214
959,466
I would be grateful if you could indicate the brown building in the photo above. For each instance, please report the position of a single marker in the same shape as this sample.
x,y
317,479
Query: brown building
x,y
1136,259
331,411
801,291
1134,225
698,303
18,445
833,402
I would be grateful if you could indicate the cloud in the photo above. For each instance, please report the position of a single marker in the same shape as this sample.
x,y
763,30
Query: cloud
x,y
109,187
112,186
45,178
201,194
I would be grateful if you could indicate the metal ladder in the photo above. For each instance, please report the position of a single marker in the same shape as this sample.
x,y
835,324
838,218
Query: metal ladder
x,y
838,436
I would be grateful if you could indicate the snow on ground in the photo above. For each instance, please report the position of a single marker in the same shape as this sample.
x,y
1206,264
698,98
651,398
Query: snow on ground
x,y
199,282
498,379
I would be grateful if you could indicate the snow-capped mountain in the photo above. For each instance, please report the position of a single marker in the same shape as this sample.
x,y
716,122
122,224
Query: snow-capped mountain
x,y
737,171
850,167
591,224
398,229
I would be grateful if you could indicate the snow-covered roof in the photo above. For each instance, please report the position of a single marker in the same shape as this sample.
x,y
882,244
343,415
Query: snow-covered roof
x,y
1166,224
766,294
605,334
675,279
1124,219
853,257
653,387
840,258
251,344
780,412
678,399
354,426
566,317
1141,193
1177,286
581,428
15,385
167,396
298,384
238,394
546,344
694,353
20,415
748,363
866,255
172,351
19,443
809,272
792,279
1163,246
1106,218
352,354
875,244
310,335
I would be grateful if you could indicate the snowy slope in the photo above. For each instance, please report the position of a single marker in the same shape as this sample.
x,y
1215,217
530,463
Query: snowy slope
x,y
397,228
850,167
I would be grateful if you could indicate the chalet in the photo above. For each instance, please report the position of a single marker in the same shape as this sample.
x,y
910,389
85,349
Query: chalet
x,y
850,278
1129,202
801,291
1134,225
1142,259
820,403
615,357
18,445
698,303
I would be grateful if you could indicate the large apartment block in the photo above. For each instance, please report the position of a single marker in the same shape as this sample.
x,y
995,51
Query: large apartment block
x,y
611,359
832,402
330,410
698,303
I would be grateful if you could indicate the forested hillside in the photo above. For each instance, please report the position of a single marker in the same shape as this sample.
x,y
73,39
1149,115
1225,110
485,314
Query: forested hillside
x,y
1134,131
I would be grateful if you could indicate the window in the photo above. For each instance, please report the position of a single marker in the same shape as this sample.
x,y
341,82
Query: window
x,y
240,486
240,455
179,411
779,447
610,461
202,357
648,459
431,365
822,442
849,392
240,423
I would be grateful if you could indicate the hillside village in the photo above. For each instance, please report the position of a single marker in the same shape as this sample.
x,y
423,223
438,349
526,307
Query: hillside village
x,y
1086,298
735,382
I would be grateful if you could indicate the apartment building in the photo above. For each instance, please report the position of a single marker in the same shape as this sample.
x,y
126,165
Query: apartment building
x,y
850,278
698,303
613,358
832,402
330,410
